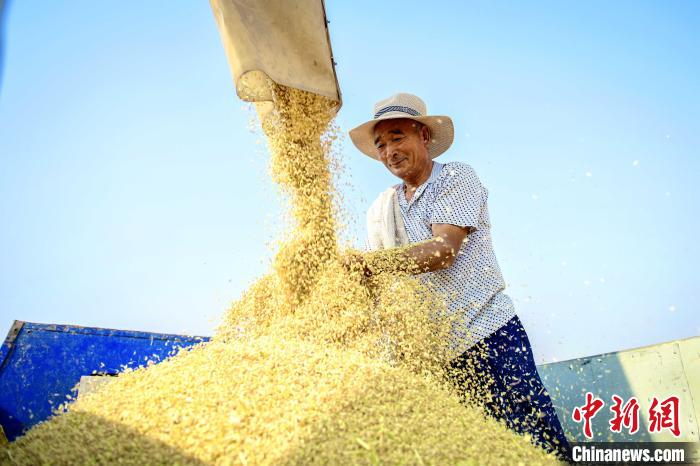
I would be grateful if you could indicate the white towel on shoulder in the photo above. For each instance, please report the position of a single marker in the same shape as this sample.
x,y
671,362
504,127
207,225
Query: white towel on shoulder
x,y
385,226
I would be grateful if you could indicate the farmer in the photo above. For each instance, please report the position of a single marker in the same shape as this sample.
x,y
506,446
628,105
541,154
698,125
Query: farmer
x,y
444,208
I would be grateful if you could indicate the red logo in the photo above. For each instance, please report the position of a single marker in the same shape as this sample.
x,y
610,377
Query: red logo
x,y
587,412
662,414
666,418
625,416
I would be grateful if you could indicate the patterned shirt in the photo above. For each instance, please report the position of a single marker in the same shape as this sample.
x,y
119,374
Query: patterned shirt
x,y
473,284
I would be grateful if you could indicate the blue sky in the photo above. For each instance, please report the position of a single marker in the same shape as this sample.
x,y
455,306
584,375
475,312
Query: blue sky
x,y
133,193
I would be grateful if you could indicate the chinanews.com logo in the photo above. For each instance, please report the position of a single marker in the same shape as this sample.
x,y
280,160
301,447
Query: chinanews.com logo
x,y
663,415
632,453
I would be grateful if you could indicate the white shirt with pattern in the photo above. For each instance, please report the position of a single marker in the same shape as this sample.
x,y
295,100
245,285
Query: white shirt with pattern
x,y
473,284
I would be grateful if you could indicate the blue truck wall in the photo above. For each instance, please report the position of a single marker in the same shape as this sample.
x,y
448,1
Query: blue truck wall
x,y
41,363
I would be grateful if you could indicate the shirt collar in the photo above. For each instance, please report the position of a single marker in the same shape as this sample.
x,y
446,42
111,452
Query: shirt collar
x,y
435,172
437,167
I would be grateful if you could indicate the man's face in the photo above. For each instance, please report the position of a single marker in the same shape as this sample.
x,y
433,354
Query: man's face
x,y
402,146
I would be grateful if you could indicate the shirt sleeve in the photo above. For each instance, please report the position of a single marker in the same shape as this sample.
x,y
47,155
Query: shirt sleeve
x,y
460,197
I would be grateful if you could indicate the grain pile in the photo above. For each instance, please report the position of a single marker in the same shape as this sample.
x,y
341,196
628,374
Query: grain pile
x,y
315,364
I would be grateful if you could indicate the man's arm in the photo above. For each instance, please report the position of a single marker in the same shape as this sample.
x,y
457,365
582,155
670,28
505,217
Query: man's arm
x,y
437,253
440,252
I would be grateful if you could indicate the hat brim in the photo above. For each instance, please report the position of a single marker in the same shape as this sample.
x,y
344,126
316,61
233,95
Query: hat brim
x,y
441,133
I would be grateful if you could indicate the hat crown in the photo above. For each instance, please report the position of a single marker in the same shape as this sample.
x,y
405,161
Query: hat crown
x,y
401,102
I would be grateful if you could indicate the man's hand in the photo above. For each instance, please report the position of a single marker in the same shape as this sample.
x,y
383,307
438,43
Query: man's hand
x,y
355,262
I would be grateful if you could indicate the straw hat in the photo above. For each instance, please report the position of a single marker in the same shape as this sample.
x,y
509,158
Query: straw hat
x,y
404,106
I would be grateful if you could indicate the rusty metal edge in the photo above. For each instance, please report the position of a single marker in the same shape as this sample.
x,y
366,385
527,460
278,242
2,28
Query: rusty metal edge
x,y
330,49
9,342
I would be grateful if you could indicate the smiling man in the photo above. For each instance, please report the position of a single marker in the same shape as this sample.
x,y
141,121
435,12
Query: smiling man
x,y
443,209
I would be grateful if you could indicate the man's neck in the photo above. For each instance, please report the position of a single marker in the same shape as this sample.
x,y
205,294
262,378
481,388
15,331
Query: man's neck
x,y
413,183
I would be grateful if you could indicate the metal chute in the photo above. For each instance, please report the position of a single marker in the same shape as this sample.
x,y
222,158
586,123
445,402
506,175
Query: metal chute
x,y
277,40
